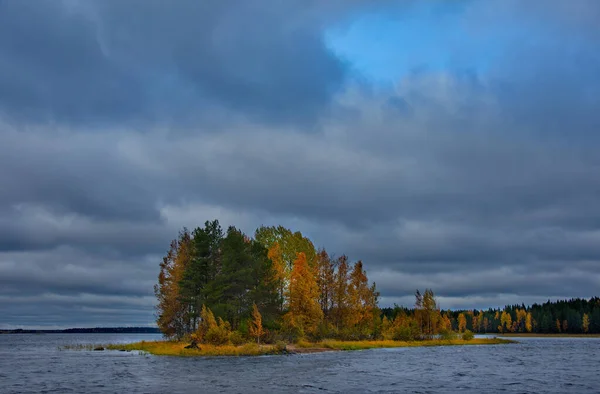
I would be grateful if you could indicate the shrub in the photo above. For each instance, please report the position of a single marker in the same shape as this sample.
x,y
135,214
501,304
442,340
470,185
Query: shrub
x,y
403,333
218,334
447,335
236,338
280,347
468,335
270,336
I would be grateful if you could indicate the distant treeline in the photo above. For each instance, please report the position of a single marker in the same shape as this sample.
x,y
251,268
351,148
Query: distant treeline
x,y
95,330
574,316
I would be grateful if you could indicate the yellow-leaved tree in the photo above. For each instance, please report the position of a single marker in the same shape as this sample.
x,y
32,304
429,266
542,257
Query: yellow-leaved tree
x,y
506,321
304,312
528,322
256,329
585,323
362,301
280,276
521,317
207,322
462,322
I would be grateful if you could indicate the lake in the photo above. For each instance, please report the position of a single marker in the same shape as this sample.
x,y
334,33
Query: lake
x,y
33,363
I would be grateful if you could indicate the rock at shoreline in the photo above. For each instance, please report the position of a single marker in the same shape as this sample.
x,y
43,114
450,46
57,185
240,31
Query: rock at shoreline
x,y
193,345
99,348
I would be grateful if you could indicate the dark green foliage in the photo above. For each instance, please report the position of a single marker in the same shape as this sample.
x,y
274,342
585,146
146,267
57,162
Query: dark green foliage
x,y
227,274
290,243
236,338
202,269
543,316
448,335
468,335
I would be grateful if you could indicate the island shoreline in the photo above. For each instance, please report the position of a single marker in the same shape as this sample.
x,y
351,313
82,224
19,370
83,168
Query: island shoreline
x,y
177,349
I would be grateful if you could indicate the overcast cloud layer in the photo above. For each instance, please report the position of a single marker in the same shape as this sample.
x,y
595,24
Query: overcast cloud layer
x,y
123,121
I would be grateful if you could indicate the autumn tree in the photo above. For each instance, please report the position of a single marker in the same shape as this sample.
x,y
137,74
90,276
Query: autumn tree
x,y
520,320
475,321
528,322
325,281
304,310
340,292
431,313
506,322
362,301
585,323
290,244
445,323
256,329
174,314
280,275
462,322
206,323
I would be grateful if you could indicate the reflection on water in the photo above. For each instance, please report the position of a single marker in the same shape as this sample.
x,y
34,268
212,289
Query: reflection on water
x,y
33,363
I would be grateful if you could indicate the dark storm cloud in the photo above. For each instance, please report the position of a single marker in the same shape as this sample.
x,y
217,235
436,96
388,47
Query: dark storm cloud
x,y
480,185
141,61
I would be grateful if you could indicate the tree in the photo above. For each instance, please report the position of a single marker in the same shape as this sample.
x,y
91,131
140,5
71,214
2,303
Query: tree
x,y
445,323
585,323
203,267
256,329
325,281
174,318
340,293
304,310
475,322
506,322
528,323
520,320
280,275
462,322
362,301
289,242
431,313
207,323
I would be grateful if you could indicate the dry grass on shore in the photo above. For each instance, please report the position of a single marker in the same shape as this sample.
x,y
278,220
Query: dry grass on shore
x,y
173,348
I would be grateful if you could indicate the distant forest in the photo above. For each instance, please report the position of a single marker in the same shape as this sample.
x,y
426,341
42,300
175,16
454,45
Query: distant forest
x,y
574,316
227,287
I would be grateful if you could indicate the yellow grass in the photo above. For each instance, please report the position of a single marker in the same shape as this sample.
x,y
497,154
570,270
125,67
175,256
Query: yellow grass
x,y
172,348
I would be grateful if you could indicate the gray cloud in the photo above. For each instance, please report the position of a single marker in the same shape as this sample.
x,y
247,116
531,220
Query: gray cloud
x,y
118,130
85,62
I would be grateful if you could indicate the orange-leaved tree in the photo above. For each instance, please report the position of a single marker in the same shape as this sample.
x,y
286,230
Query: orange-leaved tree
x,y
280,275
304,312
173,318
255,328
462,322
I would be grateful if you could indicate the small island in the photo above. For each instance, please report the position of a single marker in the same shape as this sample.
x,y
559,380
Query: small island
x,y
228,294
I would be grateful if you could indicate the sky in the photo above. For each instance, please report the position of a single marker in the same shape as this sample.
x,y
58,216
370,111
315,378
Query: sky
x,y
447,145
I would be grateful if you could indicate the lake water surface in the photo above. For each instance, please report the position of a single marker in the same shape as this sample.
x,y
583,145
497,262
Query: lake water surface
x,y
34,364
